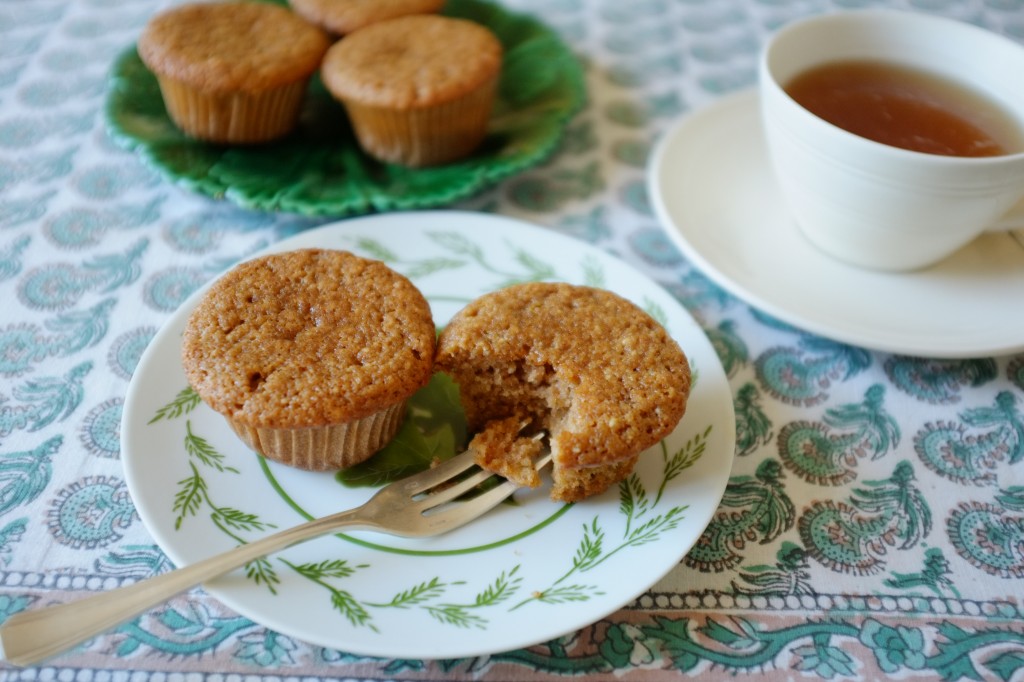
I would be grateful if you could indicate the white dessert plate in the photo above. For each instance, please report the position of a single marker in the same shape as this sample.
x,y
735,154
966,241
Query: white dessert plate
x,y
525,573
713,191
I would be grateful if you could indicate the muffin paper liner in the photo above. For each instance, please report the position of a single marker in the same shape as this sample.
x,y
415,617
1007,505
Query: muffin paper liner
x,y
239,118
424,136
324,448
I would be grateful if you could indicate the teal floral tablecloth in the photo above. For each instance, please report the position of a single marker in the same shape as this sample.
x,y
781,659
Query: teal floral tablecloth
x,y
873,525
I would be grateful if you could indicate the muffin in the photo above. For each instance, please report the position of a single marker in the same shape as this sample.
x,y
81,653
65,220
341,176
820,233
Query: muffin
x,y
341,17
232,72
418,90
501,448
310,355
594,371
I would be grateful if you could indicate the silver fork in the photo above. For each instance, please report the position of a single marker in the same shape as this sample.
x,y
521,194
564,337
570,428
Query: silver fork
x,y
421,505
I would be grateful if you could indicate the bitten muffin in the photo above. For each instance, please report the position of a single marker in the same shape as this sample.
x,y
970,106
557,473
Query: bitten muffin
x,y
232,72
419,90
341,17
601,376
310,355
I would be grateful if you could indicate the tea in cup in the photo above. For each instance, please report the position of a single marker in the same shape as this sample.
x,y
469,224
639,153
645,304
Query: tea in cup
x,y
896,137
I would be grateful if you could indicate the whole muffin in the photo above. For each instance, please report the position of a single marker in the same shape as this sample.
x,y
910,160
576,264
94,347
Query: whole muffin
x,y
232,72
341,17
601,376
310,355
418,90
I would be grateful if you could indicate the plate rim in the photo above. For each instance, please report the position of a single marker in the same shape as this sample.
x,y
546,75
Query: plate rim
x,y
719,469
785,311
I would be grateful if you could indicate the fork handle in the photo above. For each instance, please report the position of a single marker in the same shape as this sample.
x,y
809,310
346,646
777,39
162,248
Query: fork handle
x,y
31,636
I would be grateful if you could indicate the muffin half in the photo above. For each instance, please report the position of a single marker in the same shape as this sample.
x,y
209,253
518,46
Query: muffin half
x,y
593,370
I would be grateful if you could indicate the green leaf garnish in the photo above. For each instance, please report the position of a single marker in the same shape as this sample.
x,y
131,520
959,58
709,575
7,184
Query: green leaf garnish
x,y
434,429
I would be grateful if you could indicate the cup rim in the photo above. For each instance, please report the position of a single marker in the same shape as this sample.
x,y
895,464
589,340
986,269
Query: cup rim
x,y
767,77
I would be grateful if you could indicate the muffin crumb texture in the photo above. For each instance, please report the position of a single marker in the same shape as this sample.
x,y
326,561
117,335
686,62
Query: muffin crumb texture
x,y
501,448
601,376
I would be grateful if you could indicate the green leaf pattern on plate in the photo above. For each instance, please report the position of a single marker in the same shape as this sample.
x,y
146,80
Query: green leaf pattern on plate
x,y
193,492
645,522
464,252
183,403
635,505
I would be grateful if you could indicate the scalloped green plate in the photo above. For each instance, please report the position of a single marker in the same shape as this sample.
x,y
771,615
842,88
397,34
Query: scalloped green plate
x,y
319,169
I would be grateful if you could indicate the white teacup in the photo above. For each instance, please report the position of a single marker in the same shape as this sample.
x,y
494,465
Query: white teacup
x,y
874,205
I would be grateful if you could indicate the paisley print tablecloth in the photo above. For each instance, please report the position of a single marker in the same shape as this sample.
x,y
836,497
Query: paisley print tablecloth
x,y
873,525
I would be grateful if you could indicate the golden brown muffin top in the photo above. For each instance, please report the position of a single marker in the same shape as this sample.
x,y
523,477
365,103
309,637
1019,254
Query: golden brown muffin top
x,y
342,17
603,376
411,62
230,46
308,338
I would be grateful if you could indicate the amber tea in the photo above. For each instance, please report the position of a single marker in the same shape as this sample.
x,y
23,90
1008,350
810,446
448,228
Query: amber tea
x,y
906,107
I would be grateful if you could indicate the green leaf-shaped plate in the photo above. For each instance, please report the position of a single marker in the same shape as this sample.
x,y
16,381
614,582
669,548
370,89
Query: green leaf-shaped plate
x,y
319,169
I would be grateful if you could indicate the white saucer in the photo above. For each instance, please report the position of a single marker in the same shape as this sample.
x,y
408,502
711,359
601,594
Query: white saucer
x,y
712,190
